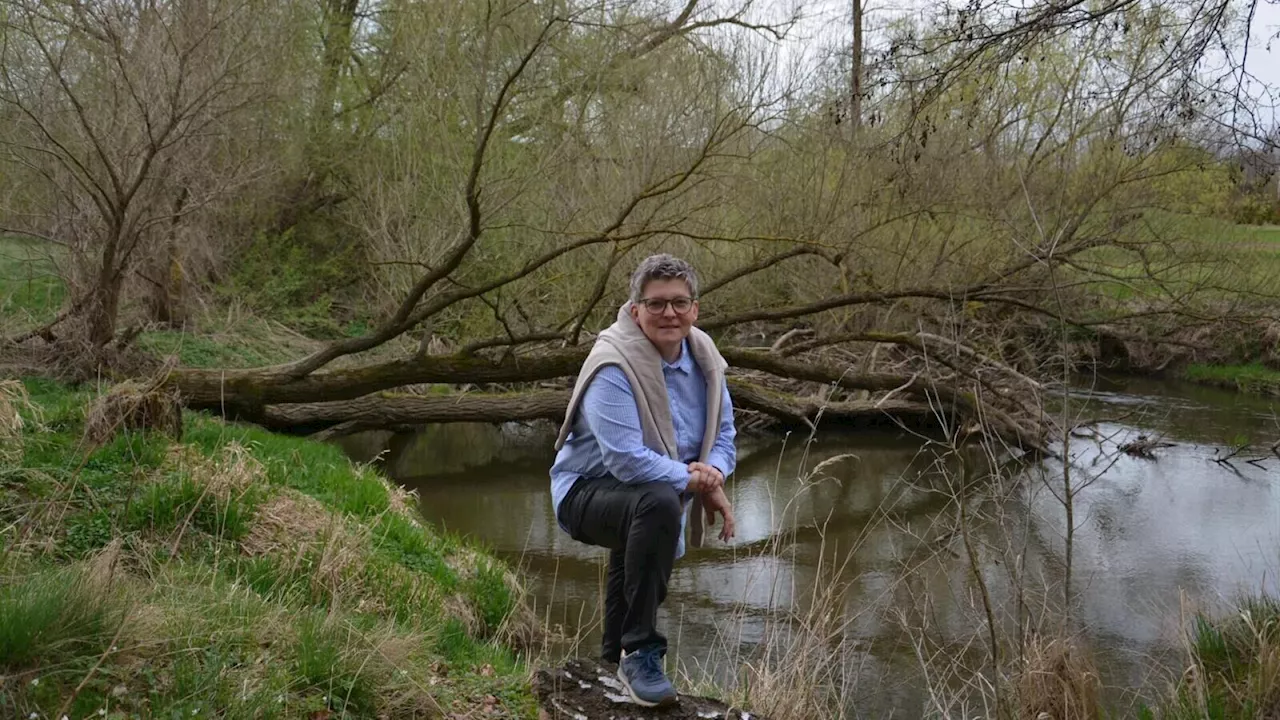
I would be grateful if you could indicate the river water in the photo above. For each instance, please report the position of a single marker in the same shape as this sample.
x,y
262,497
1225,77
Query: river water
x,y
877,527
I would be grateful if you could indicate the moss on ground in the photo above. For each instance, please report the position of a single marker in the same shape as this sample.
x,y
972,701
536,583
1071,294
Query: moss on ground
x,y
236,573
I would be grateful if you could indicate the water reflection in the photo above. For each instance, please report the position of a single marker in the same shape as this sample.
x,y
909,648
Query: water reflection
x,y
879,519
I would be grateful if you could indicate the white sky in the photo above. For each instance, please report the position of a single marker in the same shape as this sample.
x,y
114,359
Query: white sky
x,y
830,20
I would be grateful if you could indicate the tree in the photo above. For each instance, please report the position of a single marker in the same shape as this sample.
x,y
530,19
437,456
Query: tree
x,y
118,116
998,191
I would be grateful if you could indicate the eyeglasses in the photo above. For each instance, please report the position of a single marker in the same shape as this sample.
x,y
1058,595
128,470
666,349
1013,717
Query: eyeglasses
x,y
657,306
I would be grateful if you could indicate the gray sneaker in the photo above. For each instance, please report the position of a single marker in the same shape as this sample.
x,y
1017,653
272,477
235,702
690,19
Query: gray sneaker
x,y
641,672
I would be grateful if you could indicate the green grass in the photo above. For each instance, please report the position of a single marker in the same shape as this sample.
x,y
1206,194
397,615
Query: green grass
x,y
1235,674
236,574
237,343
31,292
1215,257
1253,378
1266,233
51,616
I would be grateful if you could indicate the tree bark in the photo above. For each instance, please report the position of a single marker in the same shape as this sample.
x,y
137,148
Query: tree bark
x,y
239,390
104,308
395,410
855,72
791,411
950,402
386,410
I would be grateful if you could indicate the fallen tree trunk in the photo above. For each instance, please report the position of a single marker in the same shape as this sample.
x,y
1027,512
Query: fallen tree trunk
x,y
389,410
237,390
383,410
326,399
1029,434
792,411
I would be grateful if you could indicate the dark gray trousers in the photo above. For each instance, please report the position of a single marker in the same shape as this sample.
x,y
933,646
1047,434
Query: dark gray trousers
x,y
640,524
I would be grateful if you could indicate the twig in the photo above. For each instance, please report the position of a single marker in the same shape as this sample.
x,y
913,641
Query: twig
x,y
1226,458
777,345
66,704
173,549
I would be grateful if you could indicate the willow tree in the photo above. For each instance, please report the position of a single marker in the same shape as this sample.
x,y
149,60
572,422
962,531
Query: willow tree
x,y
528,153
119,121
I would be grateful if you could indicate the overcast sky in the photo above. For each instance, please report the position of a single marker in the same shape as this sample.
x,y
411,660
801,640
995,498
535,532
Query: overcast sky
x,y
829,20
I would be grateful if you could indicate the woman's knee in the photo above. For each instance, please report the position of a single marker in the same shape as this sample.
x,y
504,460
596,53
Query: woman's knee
x,y
659,498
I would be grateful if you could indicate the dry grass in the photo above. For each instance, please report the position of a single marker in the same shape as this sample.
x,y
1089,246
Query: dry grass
x,y
804,666
132,405
230,474
401,500
13,401
295,528
103,566
1057,681
804,669
1234,663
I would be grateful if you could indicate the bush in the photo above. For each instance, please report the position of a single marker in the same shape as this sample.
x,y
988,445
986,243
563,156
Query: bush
x,y
295,277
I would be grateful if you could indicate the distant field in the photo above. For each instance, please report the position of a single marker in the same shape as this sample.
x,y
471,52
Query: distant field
x,y
1253,254
31,291
1267,233
1212,255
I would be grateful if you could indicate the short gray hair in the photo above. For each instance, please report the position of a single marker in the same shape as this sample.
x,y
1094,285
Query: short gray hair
x,y
662,267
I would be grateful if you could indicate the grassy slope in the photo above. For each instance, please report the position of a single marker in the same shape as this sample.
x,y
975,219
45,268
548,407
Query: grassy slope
x,y
260,575
1235,668
238,571
1253,378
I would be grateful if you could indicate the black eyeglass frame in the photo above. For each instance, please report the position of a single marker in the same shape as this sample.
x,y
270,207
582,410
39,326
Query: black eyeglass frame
x,y
665,302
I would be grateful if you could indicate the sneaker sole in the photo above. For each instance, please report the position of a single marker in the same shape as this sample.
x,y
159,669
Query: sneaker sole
x,y
664,702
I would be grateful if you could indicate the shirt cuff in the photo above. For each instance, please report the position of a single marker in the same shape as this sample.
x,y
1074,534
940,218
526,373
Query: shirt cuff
x,y
720,463
680,479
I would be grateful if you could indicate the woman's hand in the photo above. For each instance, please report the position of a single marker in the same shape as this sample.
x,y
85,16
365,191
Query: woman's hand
x,y
716,501
704,478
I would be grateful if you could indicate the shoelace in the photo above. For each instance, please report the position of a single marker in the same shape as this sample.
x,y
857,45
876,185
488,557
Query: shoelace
x,y
651,667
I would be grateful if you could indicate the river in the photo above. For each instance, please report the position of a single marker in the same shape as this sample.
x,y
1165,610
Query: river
x,y
1154,540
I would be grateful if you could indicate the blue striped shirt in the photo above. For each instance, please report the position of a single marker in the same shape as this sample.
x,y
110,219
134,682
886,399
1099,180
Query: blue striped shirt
x,y
606,438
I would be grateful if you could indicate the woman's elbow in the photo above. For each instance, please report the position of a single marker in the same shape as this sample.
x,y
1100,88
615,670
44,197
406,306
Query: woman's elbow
x,y
622,467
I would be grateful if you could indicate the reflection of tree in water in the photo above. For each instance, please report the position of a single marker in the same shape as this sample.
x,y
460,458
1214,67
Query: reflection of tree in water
x,y
886,521
482,450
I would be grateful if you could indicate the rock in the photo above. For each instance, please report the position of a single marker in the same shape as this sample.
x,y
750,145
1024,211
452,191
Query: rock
x,y
583,689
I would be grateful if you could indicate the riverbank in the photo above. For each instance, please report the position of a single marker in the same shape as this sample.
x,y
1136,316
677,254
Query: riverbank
x,y
233,573
1253,378
237,573
267,576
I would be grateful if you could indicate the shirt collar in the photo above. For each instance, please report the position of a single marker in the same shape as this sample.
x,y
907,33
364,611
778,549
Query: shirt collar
x,y
685,363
